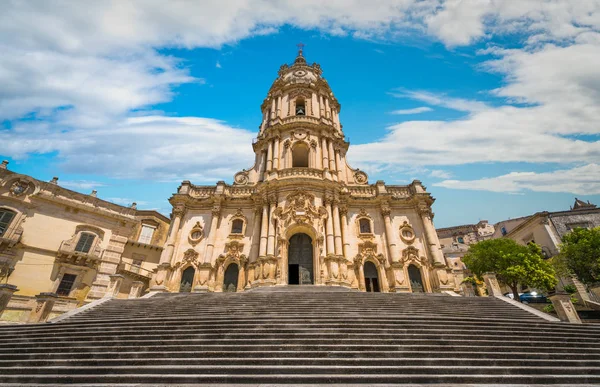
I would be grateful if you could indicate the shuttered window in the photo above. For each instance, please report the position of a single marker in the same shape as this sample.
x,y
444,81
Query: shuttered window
x,y
6,217
85,242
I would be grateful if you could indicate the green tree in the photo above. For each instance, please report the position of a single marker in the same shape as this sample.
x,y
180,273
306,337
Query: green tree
x,y
513,264
580,255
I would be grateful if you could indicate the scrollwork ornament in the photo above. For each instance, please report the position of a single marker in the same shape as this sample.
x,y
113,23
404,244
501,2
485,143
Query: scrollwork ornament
x,y
18,188
360,177
241,178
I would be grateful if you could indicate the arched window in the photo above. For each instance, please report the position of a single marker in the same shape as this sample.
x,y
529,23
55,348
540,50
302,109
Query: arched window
x,y
6,216
237,226
300,156
300,107
365,226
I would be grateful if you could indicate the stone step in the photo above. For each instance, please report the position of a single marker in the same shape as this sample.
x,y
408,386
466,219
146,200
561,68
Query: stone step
x,y
219,369
302,378
445,347
125,354
299,361
245,334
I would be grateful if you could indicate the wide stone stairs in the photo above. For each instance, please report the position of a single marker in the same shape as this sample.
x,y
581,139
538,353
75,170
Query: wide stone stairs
x,y
301,335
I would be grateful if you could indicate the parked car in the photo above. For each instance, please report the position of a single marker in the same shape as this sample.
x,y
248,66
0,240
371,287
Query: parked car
x,y
529,297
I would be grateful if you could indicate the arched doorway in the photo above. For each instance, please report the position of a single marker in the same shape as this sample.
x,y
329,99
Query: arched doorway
x,y
416,282
371,277
187,279
300,260
230,280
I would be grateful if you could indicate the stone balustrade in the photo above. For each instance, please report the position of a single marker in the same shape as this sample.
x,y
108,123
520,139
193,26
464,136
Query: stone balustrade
x,y
300,172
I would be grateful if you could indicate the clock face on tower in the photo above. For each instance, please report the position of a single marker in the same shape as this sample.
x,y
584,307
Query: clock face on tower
x,y
299,73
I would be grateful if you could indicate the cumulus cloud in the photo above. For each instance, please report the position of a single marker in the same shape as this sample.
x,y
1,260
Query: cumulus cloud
x,y
156,147
88,70
582,180
418,110
81,184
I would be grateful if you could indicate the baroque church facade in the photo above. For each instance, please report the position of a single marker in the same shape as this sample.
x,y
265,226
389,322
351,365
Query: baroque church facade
x,y
301,214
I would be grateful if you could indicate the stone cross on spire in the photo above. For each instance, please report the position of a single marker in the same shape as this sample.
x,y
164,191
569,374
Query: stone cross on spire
x,y
300,48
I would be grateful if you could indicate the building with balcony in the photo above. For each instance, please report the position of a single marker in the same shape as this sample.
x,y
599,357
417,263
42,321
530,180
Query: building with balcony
x,y
54,240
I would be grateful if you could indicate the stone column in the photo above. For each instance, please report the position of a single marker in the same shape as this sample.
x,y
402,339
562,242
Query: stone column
x,y
492,285
255,234
321,106
264,230
271,238
315,105
6,293
276,154
212,236
332,167
279,106
324,151
270,156
263,165
345,237
44,302
336,229
167,253
327,110
108,266
272,108
136,289
329,229
338,164
390,236
431,238
564,308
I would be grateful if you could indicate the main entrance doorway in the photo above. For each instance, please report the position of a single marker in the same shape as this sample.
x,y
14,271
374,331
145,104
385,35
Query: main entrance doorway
x,y
371,277
300,260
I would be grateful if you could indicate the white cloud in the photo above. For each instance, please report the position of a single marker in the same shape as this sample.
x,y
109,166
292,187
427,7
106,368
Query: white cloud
x,y
580,180
81,184
152,147
418,110
459,104
87,68
440,174
218,65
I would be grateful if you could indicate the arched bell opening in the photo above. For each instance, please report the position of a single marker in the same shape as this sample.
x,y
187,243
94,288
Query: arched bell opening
x,y
300,155
187,279
300,260
416,280
230,279
372,282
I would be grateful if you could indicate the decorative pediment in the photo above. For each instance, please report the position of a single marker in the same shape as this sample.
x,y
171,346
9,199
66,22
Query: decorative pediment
x,y
190,257
411,255
368,250
233,251
300,208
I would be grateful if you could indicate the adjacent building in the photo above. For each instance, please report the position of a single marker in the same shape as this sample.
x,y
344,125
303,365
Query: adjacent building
x,y
79,247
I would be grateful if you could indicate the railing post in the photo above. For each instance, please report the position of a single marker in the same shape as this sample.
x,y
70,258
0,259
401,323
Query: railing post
x,y
44,304
564,308
6,293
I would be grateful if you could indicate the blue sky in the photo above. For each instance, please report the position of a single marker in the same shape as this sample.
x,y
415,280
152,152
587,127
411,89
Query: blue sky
x,y
493,105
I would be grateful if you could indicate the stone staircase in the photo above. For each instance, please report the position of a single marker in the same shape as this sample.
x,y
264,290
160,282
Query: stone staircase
x,y
301,335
